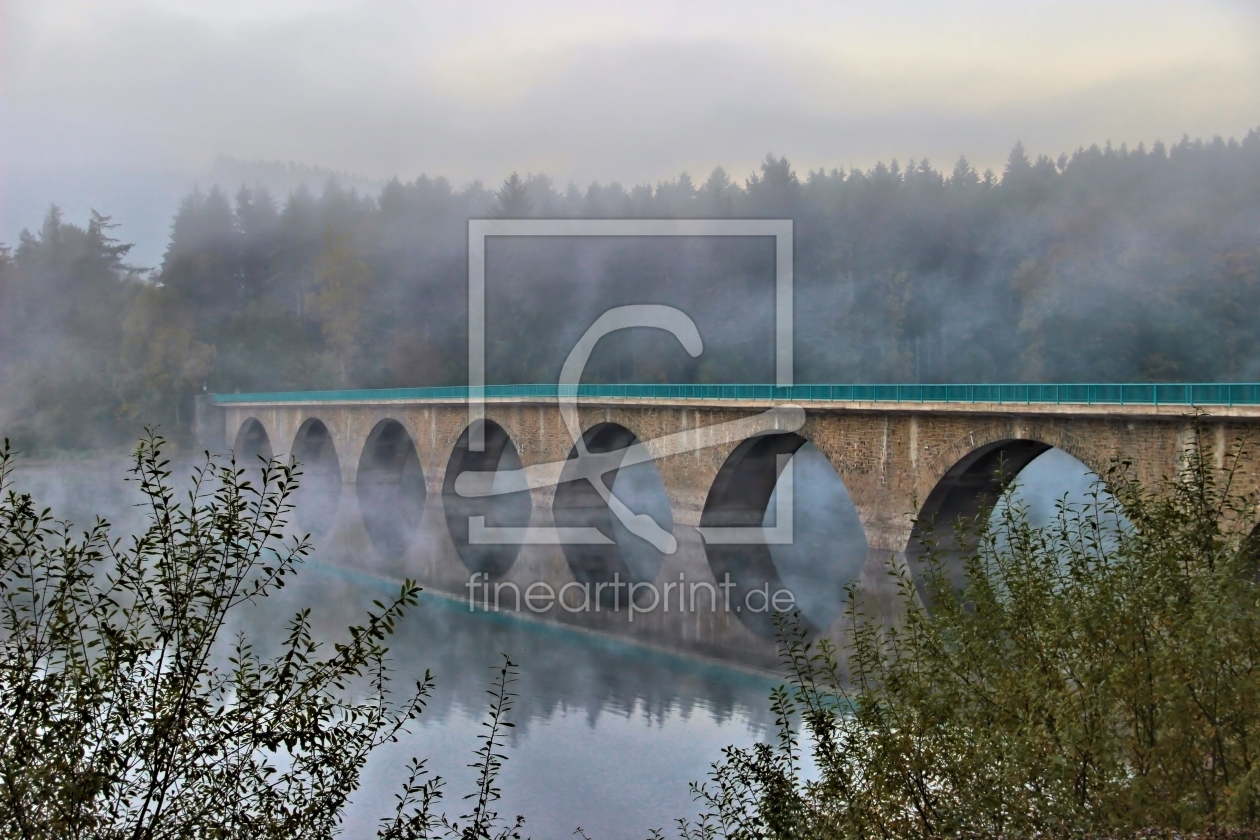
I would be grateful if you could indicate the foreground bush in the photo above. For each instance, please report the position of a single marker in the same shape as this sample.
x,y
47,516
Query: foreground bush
x,y
127,714
1097,677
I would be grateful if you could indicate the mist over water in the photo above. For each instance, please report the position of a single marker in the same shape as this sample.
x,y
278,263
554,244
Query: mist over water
x,y
828,547
608,734
640,488
1053,479
79,492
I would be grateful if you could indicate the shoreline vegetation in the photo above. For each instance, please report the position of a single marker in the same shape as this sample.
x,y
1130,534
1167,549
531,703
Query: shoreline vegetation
x,y
1097,677
1093,678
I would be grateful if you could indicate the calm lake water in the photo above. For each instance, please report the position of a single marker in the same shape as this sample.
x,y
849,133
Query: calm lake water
x,y
608,734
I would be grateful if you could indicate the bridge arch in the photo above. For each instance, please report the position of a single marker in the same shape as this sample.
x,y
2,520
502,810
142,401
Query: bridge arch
x,y
577,504
252,442
1050,435
968,477
824,549
510,509
319,488
390,487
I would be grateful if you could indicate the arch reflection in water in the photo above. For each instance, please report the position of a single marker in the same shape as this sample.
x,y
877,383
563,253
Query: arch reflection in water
x,y
1055,482
252,443
579,505
1051,478
509,507
607,734
320,485
390,489
827,547
1029,474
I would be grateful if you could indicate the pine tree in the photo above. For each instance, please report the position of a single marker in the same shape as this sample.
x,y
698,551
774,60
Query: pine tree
x,y
512,199
1017,164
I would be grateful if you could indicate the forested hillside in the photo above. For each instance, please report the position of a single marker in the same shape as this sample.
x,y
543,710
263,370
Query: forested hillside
x,y
1110,264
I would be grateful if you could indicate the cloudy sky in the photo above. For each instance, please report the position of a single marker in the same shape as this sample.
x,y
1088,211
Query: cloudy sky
x,y
123,105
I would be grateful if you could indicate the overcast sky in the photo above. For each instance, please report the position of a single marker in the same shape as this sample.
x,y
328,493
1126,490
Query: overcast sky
x,y
123,105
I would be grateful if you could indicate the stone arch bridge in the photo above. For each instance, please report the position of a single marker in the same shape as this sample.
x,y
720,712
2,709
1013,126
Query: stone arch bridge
x,y
381,469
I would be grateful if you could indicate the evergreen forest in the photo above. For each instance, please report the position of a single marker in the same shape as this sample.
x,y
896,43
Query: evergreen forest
x,y
1108,264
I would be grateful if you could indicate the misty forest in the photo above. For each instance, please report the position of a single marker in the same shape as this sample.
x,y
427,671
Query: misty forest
x,y
1108,264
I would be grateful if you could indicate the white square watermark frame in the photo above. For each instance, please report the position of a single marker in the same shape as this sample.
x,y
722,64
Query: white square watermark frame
x,y
480,229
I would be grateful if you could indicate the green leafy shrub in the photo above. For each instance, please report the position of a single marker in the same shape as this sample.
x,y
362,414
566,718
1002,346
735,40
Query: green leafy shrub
x,y
1097,677
127,714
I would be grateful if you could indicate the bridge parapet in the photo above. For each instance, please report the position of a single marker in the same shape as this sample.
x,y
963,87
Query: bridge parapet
x,y
1107,394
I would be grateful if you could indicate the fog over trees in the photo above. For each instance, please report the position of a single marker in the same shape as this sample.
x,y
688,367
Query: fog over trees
x,y
1109,264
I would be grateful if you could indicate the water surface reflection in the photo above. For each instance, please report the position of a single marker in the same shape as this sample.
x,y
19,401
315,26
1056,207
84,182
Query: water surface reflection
x,y
608,734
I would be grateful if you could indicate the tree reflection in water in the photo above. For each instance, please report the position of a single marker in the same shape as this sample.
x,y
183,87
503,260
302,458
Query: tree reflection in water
x,y
608,734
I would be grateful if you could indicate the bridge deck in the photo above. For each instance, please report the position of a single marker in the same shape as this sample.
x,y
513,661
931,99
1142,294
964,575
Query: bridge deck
x,y
1134,400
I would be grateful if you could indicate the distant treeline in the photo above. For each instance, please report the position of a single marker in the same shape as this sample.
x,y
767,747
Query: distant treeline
x,y
1111,264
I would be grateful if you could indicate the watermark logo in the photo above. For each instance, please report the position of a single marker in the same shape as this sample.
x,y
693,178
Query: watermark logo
x,y
592,467
638,597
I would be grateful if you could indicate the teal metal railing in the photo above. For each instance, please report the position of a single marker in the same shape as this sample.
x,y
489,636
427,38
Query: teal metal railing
x,y
1161,393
